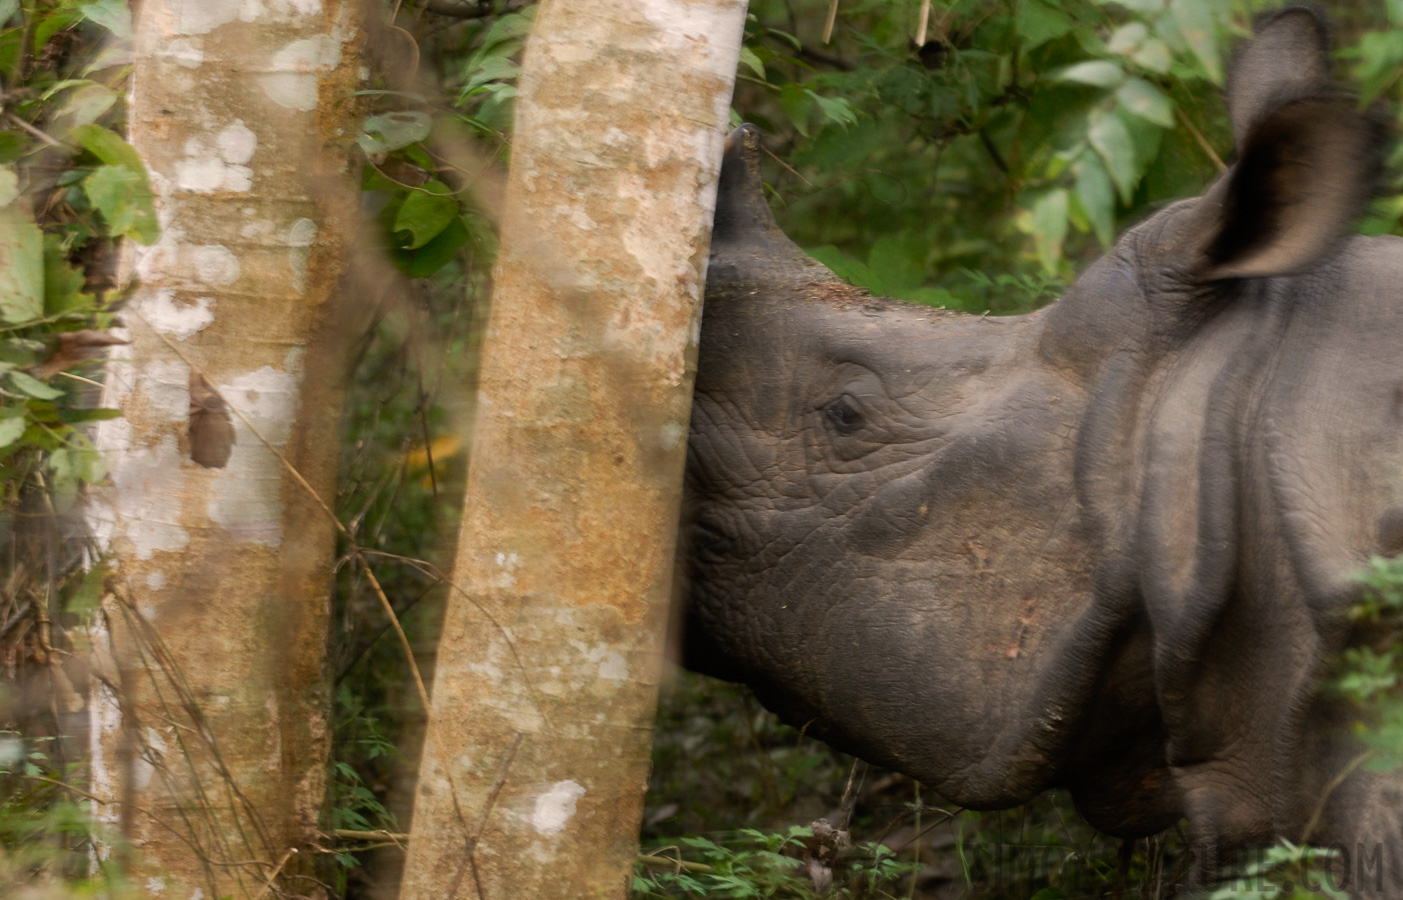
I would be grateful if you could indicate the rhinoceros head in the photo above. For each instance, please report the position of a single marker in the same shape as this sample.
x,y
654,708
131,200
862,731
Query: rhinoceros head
x,y
1107,545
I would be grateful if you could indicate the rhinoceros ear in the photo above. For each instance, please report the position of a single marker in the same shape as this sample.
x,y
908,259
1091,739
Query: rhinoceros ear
x,y
746,244
1308,160
1287,57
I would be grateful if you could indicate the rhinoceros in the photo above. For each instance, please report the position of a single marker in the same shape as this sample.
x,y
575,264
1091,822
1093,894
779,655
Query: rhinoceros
x,y
1108,546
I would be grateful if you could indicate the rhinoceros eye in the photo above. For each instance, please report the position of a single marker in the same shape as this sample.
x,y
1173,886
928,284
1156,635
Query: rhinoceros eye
x,y
843,416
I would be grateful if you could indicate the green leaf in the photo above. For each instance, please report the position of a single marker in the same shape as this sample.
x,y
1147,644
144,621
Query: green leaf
x,y
495,68
33,386
1380,55
1194,19
1126,39
86,105
425,213
748,58
123,197
512,27
110,14
1097,196
11,430
436,254
1095,72
1037,22
1050,227
52,23
21,266
897,262
107,146
1112,141
798,106
393,130
1143,99
1142,6
835,109
1154,55
63,284
13,144
845,267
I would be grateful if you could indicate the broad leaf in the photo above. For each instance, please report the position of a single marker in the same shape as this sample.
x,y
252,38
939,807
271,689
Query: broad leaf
x,y
1097,196
110,14
107,146
122,196
1143,99
1096,72
33,386
1038,22
63,284
1112,141
752,61
21,266
1050,227
1194,19
11,430
393,130
425,213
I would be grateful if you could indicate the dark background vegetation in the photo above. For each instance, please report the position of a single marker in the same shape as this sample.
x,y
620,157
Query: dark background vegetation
x,y
979,168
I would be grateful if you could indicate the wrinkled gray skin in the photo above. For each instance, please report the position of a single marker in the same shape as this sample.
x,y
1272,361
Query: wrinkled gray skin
x,y
1107,546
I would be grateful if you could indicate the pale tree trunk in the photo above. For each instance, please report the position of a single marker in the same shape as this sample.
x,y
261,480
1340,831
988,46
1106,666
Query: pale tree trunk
x,y
536,757
210,728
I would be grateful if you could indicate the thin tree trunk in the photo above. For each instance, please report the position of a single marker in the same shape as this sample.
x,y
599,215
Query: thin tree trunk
x,y
210,732
536,757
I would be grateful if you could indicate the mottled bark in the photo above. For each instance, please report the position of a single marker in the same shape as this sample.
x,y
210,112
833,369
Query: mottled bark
x,y
213,748
536,757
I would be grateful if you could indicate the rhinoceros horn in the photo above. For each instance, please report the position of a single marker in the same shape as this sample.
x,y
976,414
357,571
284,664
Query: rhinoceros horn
x,y
746,244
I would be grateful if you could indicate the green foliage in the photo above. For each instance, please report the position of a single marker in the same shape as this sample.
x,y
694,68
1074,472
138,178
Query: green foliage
x,y
70,186
42,822
423,186
1019,139
1283,872
90,188
757,864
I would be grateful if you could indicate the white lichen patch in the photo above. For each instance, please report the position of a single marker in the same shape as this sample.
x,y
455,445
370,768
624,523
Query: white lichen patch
x,y
247,494
217,164
291,81
155,579
506,564
299,242
155,885
256,228
671,435
185,52
166,388
177,320
213,264
556,807
607,662
237,143
147,486
204,16
293,359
